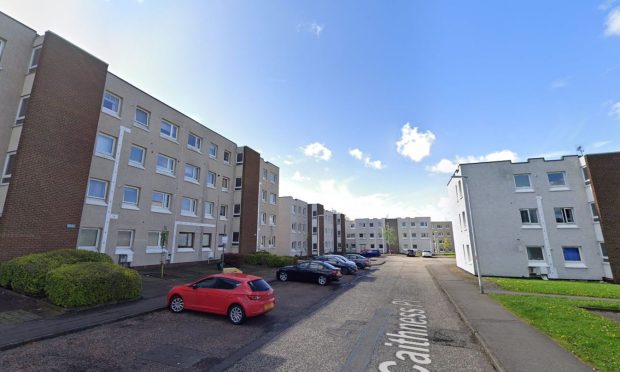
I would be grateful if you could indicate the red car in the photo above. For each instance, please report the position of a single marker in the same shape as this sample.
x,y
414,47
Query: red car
x,y
237,296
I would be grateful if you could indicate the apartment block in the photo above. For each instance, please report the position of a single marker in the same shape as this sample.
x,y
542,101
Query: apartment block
x,y
537,217
326,232
372,233
292,229
442,236
414,233
91,161
365,233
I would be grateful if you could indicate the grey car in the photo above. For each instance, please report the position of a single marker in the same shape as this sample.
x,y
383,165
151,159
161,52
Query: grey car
x,y
361,261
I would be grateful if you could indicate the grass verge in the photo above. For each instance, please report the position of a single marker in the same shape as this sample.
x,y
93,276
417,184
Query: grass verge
x,y
561,287
593,338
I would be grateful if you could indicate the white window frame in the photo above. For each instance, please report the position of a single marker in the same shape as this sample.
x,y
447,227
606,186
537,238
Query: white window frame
x,y
226,152
186,248
595,212
273,198
237,158
225,184
542,250
529,216
129,204
134,163
139,123
564,216
131,236
209,207
169,170
263,196
19,117
527,188
223,208
89,247
240,183
209,183
212,153
198,140
263,218
166,201
174,131
206,248
116,114
6,177
193,207
236,214
110,155
96,200
2,44
153,248
32,65
557,187
603,251
574,264
195,178
272,220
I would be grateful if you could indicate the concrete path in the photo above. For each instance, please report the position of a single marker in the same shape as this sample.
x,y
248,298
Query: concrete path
x,y
512,344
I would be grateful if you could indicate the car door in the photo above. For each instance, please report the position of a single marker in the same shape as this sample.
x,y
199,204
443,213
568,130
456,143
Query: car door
x,y
299,272
225,294
203,294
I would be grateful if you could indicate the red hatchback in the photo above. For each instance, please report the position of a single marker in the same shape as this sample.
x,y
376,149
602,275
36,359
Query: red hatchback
x,y
236,295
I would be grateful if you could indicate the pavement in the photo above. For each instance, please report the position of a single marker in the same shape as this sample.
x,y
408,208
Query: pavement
x,y
512,344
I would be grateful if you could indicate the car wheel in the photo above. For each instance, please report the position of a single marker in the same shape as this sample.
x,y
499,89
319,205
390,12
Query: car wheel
x,y
236,315
283,276
176,304
322,280
345,270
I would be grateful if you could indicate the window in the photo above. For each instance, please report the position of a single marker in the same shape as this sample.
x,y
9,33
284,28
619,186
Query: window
x,y
273,177
423,224
213,150
185,240
8,167
404,235
240,158
464,221
262,241
238,183
223,212
194,142
111,104
124,239
97,189
237,210
235,237
413,224
264,174
34,59
556,179
272,198
272,219
603,251
403,224
136,156
209,209
21,111
564,215
594,209
529,216
141,117
88,238
371,224
413,235
104,145
165,165
424,235
586,175
372,235
361,235
571,254
153,242
192,173
522,181
189,207
2,44
160,202
225,184
131,195
206,240
263,196
263,218
168,130
535,254
211,179
227,157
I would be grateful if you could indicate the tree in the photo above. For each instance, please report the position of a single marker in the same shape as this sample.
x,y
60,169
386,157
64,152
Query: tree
x,y
390,236
447,245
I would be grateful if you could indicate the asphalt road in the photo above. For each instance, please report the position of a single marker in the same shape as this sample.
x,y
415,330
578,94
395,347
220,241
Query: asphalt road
x,y
341,327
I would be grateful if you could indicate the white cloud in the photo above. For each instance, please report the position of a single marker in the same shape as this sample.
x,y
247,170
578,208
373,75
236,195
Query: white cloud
x,y
449,166
615,110
600,144
604,6
312,27
359,155
298,177
559,83
318,151
413,144
612,25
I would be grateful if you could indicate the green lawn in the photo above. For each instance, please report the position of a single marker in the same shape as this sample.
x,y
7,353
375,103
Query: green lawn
x,y
561,287
594,339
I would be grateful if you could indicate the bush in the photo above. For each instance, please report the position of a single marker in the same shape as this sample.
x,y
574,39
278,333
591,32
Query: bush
x,y
91,283
258,258
279,261
268,259
234,259
27,274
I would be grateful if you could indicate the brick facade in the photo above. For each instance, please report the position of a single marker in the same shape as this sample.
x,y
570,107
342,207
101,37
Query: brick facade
x,y
50,173
249,201
605,180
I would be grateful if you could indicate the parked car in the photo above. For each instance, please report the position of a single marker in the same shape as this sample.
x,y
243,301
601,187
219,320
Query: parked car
x,y
237,296
342,258
427,254
310,271
345,266
412,252
371,253
361,261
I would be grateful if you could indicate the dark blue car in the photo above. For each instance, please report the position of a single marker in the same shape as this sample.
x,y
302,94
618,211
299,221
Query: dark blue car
x,y
371,253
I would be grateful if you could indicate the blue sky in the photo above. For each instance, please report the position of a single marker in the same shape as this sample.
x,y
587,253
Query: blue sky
x,y
367,106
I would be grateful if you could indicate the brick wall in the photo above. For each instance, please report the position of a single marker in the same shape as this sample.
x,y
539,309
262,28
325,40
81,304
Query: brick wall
x,y
249,201
605,179
343,234
50,173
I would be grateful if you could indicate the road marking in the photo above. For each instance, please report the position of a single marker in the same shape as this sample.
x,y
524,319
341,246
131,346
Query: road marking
x,y
411,338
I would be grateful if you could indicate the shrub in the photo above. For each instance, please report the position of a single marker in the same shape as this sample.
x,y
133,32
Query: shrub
x,y
279,261
27,274
91,283
258,258
234,259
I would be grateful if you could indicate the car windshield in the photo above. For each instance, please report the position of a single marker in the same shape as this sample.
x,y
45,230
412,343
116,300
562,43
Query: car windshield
x,y
259,285
328,266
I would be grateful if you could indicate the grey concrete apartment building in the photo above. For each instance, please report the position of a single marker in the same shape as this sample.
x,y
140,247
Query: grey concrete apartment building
x,y
326,230
442,236
90,161
539,217
292,229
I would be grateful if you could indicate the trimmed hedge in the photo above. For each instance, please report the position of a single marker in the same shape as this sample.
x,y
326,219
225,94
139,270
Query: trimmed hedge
x,y
27,274
91,283
267,259
234,259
